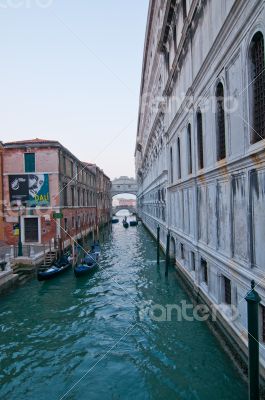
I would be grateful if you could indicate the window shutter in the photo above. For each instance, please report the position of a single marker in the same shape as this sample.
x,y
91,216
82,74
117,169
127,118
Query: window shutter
x,y
29,162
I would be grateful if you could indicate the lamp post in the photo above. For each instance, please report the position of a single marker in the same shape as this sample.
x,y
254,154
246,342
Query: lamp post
x,y
20,248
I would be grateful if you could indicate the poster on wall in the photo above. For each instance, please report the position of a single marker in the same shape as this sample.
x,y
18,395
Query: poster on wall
x,y
30,190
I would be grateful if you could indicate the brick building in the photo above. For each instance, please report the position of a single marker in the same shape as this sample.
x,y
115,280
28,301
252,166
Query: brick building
x,y
53,191
103,195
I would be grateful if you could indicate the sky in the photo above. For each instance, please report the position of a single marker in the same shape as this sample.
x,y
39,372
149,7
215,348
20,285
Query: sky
x,y
70,71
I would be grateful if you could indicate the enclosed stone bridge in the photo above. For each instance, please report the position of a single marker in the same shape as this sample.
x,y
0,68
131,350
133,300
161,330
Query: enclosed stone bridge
x,y
124,184
116,209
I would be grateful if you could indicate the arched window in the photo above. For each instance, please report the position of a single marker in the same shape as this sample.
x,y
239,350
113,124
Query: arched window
x,y
220,122
257,87
200,140
179,159
189,147
171,165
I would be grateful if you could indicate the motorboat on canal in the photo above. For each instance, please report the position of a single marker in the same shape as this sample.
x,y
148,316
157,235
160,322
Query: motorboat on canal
x,y
57,268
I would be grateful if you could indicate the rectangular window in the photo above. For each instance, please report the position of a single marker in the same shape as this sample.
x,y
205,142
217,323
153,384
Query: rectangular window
x,y
65,200
227,290
65,224
72,196
192,260
72,169
64,164
182,251
31,230
29,161
204,271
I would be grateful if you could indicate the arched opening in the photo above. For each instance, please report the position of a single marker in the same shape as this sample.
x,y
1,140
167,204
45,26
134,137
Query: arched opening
x,y
200,140
220,122
189,146
257,83
124,204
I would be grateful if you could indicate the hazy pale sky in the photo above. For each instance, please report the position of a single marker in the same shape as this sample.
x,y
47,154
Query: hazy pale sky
x,y
70,71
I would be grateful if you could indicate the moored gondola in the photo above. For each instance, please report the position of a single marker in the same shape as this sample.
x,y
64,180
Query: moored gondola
x,y
57,268
115,220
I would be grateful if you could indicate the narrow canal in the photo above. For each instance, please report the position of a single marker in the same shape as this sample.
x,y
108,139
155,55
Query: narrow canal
x,y
54,333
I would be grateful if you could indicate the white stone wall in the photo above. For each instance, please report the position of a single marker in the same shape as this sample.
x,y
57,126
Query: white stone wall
x,y
218,212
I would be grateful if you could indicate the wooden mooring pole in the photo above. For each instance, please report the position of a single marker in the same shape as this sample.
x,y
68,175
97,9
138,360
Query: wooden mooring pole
x,y
167,253
253,301
158,245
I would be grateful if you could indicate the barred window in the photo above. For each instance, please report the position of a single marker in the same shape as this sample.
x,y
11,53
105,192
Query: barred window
x,y
189,150
204,271
182,251
193,261
227,290
179,159
200,140
184,8
220,122
257,77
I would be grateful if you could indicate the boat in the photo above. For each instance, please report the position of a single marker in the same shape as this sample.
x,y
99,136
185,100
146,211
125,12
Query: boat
x,y
125,225
115,220
89,264
133,223
57,268
84,269
95,249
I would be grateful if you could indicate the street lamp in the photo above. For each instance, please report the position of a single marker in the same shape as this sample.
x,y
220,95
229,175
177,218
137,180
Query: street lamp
x,y
20,248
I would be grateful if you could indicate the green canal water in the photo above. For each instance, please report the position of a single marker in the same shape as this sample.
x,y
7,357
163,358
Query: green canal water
x,y
55,333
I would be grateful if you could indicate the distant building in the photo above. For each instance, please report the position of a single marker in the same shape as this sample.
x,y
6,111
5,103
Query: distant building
x,y
200,159
1,194
127,202
55,193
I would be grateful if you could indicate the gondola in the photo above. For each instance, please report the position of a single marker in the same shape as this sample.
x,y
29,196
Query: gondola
x,y
84,269
89,263
57,268
95,249
115,220
133,223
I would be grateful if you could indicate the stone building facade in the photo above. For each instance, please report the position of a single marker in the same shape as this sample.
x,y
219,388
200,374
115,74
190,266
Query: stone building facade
x,y
200,159
54,193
